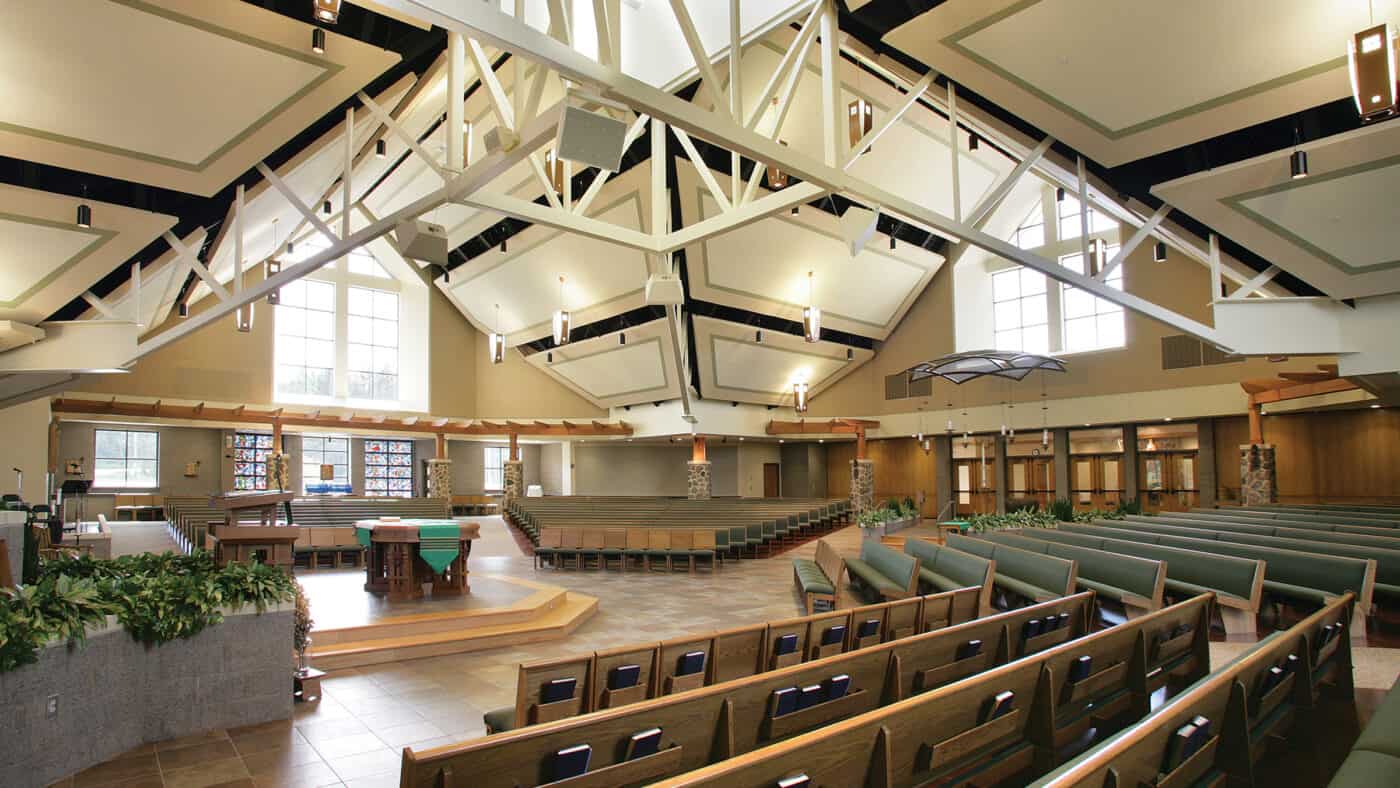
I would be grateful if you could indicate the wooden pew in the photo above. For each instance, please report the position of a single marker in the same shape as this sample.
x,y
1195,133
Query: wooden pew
x,y
1136,583
1030,575
1244,713
946,737
724,720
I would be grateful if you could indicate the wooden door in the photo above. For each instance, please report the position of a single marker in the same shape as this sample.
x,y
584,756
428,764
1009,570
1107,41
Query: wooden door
x,y
771,480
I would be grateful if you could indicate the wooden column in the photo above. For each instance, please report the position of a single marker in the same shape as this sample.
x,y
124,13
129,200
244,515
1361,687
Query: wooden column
x,y
1256,423
697,448
277,436
442,446
860,444
514,447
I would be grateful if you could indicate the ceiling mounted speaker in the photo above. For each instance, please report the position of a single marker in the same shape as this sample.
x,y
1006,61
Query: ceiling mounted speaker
x,y
858,227
422,241
499,139
664,290
591,139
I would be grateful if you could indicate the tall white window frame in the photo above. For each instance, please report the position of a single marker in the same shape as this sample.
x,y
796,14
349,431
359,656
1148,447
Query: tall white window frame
x,y
495,476
126,459
318,450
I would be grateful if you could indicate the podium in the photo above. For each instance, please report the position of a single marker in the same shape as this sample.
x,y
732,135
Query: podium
x,y
237,539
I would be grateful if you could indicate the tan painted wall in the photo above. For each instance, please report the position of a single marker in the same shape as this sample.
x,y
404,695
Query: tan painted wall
x,y
927,332
649,469
752,457
26,434
514,389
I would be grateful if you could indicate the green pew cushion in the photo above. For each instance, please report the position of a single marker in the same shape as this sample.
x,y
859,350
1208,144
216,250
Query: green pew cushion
x,y
894,565
1296,592
498,720
1380,733
1024,589
1103,589
872,576
939,581
1366,768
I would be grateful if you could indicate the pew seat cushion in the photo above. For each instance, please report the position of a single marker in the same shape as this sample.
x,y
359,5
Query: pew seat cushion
x,y
938,581
1313,595
1380,734
1365,768
872,576
1104,589
1023,588
811,577
1387,590
498,720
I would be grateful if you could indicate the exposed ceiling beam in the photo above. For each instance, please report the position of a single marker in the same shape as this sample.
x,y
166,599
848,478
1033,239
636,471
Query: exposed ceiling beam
x,y
829,427
1300,390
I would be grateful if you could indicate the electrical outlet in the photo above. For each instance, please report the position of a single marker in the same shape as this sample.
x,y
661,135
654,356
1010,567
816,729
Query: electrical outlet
x,y
53,706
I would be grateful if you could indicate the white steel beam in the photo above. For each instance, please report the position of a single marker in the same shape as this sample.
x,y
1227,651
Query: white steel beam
x,y
980,214
909,101
704,170
831,87
456,90
492,166
136,294
749,212
660,201
953,150
1083,210
697,52
487,24
1253,285
345,179
96,302
238,238
794,57
601,25
537,167
781,110
736,100
307,213
1215,282
1134,241
500,102
403,135
191,259
561,219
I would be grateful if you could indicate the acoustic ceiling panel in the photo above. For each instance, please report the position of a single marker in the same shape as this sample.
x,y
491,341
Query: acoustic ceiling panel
x,y
733,366
611,374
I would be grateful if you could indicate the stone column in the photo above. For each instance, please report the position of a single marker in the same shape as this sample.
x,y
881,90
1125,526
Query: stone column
x,y
440,478
1258,474
862,485
1206,474
513,472
1060,440
698,480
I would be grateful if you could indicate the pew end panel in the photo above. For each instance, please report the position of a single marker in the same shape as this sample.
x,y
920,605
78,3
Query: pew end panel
x,y
738,652
902,618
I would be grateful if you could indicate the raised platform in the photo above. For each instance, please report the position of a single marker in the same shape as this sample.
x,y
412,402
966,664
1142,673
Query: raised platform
x,y
354,629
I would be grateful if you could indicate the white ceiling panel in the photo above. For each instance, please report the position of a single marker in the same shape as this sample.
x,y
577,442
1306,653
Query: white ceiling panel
x,y
1125,80
601,279
46,260
610,374
1335,229
733,366
202,90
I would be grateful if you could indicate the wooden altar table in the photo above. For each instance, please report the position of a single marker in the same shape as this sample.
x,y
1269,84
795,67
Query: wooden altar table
x,y
394,562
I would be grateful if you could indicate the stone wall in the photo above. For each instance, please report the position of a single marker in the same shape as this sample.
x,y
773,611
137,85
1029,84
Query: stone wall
x,y
698,480
440,478
279,471
513,474
114,694
1258,474
862,485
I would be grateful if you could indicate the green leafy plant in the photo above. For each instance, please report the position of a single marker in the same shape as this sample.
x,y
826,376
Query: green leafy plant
x,y
157,598
1129,507
1063,509
871,518
1098,514
892,504
1024,518
301,630
907,508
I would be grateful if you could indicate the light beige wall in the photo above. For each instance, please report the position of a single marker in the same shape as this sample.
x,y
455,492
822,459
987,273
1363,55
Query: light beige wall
x,y
622,469
452,374
26,438
552,468
514,389
926,332
177,447
752,457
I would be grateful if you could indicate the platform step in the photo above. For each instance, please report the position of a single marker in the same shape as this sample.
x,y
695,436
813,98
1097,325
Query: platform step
x,y
557,622
537,604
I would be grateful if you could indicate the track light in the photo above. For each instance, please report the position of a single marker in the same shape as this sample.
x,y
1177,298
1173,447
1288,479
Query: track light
x,y
503,245
794,210
326,207
549,358
622,338
799,396
1059,194
1298,164
850,354
381,149
290,247
973,142
758,337
327,11
184,309
1159,252
892,242
84,216
318,41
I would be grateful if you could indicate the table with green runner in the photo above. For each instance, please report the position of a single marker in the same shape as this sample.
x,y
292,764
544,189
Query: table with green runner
x,y
404,555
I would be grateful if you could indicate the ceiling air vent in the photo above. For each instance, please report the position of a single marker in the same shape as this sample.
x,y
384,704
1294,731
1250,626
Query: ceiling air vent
x,y
1180,352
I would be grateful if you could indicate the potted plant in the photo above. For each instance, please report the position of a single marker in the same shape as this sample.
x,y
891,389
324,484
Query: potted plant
x,y
872,523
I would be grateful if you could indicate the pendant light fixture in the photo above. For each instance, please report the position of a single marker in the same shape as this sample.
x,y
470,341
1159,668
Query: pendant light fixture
x,y
860,120
498,340
184,310
561,319
318,41
554,169
327,208
1060,194
1371,62
243,318
84,212
1098,256
273,267
327,11
381,148
777,179
799,396
811,316
1159,252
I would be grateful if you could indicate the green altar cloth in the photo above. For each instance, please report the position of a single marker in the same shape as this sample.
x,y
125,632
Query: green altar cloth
x,y
362,536
438,543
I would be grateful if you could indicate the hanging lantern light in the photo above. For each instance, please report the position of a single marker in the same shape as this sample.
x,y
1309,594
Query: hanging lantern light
x,y
811,316
799,396
777,179
327,11
561,319
554,168
861,120
1098,256
498,340
273,267
243,318
1371,60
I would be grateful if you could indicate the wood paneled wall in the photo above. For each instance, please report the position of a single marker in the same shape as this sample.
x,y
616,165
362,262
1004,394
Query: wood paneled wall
x,y
901,469
1333,456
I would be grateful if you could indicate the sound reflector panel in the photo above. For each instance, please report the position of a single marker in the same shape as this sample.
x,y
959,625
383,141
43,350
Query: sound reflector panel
x,y
591,139
858,227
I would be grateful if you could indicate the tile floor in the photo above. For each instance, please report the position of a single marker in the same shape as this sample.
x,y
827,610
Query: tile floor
x,y
354,736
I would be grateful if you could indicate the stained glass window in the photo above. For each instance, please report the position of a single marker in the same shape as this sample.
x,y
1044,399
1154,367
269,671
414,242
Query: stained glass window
x,y
250,451
389,468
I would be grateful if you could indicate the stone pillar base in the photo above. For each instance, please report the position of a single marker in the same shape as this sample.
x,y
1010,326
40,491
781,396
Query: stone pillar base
x,y
279,471
1258,474
862,485
514,473
440,478
698,480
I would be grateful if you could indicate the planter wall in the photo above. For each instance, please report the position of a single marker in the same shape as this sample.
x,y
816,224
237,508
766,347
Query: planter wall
x,y
115,693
